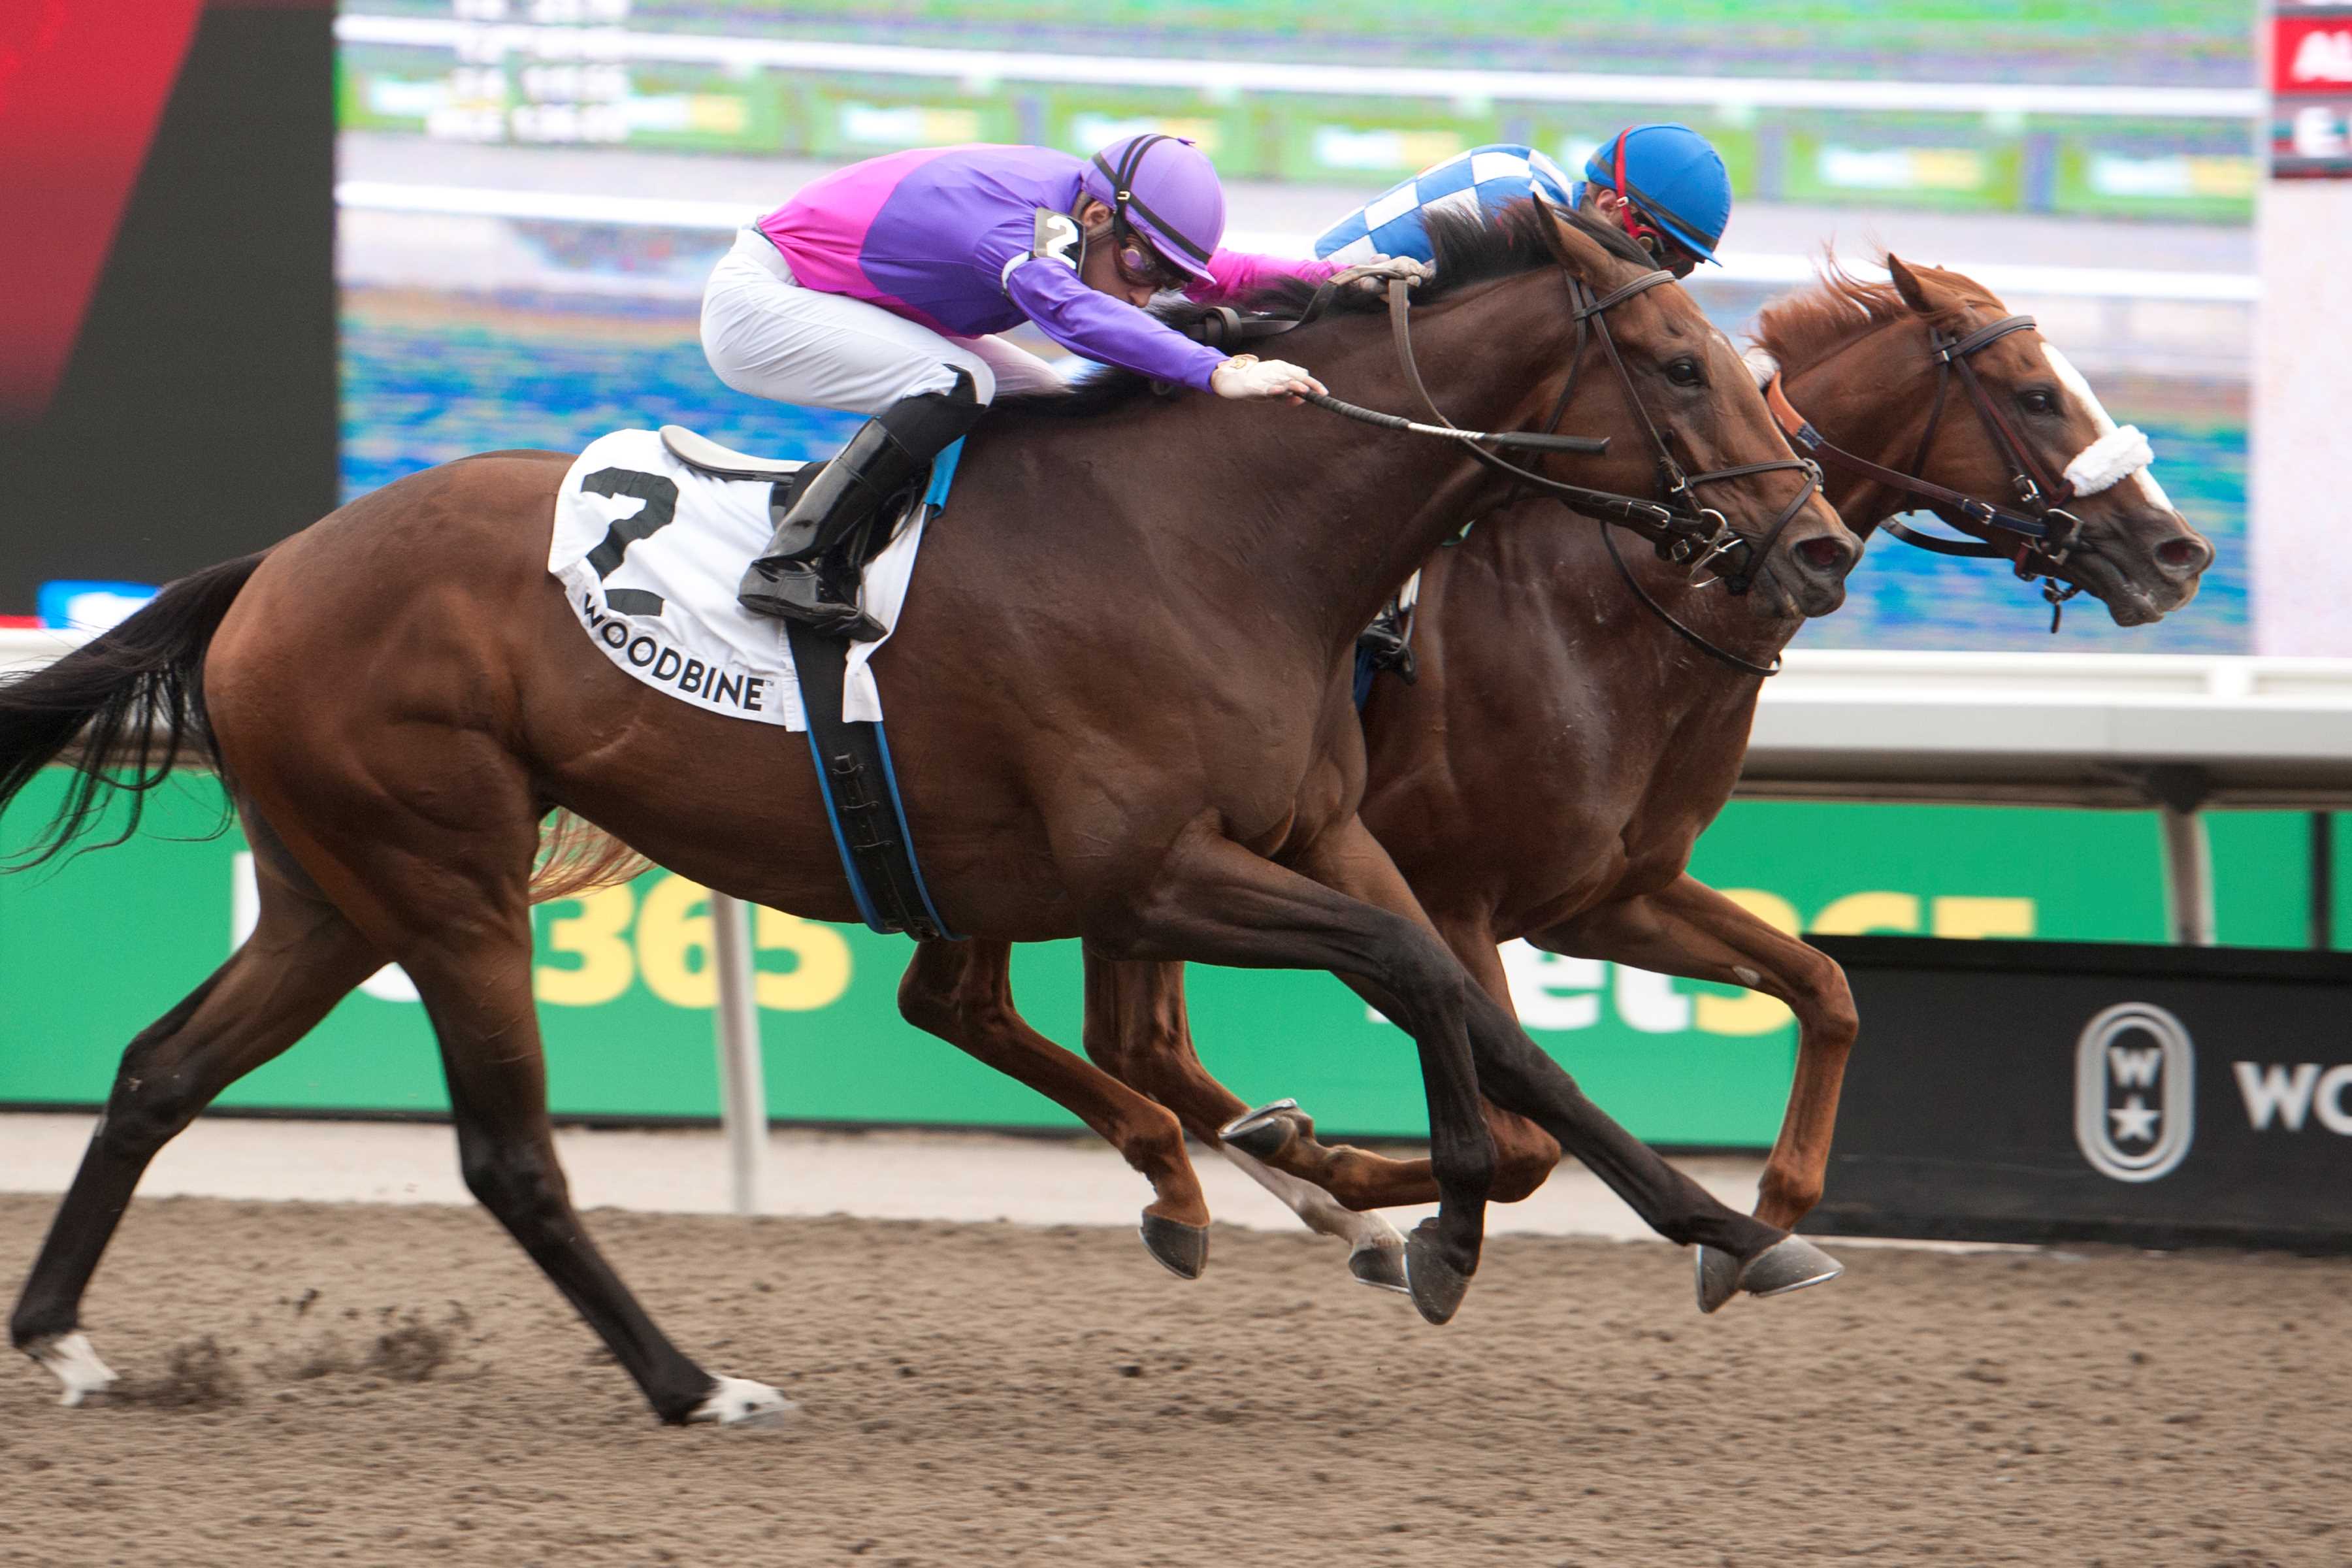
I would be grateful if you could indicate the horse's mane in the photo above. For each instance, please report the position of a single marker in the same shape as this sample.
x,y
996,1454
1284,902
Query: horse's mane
x,y
1802,328
1471,248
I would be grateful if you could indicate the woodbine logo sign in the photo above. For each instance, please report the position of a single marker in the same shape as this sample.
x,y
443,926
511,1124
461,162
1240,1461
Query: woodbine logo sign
x,y
2135,1093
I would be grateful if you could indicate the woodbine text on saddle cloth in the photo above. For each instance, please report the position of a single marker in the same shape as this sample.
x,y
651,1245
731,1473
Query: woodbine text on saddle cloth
x,y
648,550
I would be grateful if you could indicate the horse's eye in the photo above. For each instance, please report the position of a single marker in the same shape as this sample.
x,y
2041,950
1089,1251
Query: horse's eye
x,y
1684,372
2038,402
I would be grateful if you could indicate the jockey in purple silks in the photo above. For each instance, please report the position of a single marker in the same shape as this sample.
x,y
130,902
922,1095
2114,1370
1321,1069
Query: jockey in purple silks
x,y
878,289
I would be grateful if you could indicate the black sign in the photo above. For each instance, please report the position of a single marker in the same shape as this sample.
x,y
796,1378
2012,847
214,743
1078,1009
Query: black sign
x,y
193,415
2039,1092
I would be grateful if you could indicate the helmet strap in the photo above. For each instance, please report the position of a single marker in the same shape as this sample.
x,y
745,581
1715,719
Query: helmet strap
x,y
1635,230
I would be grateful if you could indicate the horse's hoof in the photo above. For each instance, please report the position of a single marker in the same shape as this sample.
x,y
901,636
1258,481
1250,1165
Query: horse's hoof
x,y
1790,1264
74,1364
1382,1267
739,1402
1718,1277
1436,1286
1182,1249
1261,1133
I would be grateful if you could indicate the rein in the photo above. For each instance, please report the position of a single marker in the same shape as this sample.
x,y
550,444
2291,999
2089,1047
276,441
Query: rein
x,y
1722,540
1224,327
1677,527
2045,534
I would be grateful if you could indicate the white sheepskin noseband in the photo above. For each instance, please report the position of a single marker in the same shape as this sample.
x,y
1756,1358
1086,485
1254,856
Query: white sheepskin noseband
x,y
2109,460
1761,365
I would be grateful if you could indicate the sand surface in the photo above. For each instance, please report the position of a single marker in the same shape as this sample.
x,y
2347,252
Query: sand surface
x,y
398,1384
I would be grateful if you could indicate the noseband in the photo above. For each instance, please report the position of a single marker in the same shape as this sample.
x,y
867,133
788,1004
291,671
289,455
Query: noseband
x,y
2044,531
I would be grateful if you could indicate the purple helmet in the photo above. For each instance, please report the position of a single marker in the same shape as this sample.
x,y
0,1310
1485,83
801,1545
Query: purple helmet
x,y
1165,190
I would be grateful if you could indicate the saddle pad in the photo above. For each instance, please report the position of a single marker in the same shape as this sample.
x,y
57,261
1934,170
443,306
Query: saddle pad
x,y
649,552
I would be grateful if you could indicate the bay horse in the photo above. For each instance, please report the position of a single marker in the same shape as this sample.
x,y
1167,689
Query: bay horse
x,y
1120,708
1562,748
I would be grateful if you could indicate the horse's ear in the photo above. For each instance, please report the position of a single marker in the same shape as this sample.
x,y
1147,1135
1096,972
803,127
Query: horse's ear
x,y
1926,295
1570,245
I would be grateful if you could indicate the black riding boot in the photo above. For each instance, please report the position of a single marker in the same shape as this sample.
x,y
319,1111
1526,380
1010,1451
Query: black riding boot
x,y
1384,644
810,569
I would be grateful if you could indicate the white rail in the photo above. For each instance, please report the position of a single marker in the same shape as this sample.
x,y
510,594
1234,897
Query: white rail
x,y
982,70
2109,730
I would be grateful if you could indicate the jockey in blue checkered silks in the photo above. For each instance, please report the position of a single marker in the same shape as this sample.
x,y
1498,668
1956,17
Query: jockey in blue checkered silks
x,y
1663,185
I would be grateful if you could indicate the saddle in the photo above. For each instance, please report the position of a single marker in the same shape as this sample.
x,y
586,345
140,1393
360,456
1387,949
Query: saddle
x,y
725,462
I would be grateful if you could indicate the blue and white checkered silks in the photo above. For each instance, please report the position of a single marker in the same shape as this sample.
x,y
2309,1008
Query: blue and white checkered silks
x,y
1487,178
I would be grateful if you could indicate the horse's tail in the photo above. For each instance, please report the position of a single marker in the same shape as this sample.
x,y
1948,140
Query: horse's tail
x,y
134,698
577,857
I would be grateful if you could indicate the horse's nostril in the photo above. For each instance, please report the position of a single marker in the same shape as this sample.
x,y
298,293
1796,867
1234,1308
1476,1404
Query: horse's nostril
x,y
1823,554
2193,555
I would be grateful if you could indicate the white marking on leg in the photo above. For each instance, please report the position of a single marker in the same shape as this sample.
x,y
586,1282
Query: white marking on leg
x,y
2120,453
75,1364
1747,976
1320,1212
739,1402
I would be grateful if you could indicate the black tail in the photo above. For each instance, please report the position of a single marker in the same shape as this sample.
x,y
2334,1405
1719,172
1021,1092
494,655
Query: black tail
x,y
134,697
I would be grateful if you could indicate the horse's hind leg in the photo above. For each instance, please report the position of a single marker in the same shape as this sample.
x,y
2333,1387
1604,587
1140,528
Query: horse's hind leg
x,y
962,992
439,878
303,958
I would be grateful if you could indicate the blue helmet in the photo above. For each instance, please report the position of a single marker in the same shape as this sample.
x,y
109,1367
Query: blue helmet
x,y
1674,176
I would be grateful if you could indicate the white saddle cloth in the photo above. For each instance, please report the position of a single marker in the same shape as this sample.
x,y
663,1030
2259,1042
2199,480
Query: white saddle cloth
x,y
658,595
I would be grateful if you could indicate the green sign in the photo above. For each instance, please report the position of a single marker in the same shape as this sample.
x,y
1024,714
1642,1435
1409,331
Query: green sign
x,y
92,952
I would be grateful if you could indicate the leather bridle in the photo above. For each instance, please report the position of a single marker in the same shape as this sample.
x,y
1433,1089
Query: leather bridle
x,y
1681,530
1675,524
2044,531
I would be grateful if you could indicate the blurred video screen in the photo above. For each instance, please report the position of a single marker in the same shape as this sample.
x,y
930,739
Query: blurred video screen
x,y
531,192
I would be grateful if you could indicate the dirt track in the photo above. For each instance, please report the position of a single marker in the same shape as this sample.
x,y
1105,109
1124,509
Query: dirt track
x,y
986,1394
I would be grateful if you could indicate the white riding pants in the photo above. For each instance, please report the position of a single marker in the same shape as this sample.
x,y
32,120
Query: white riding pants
x,y
767,335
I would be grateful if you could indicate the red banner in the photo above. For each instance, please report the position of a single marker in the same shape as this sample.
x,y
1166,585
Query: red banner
x,y
2312,53
82,83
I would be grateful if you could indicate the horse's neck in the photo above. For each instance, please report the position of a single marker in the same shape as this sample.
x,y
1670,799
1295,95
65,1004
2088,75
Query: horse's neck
x,y
1858,394
1537,576
1293,513
1524,581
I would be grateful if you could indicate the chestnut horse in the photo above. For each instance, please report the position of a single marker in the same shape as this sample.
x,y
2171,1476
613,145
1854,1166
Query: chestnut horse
x,y
1121,711
1517,799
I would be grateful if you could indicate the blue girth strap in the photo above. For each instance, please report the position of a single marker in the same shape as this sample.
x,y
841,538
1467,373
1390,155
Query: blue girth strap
x,y
855,776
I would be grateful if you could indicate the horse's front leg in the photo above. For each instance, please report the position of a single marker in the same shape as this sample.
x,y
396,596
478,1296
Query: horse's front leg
x,y
1525,1155
962,992
1689,928
1518,1076
1138,1030
1211,900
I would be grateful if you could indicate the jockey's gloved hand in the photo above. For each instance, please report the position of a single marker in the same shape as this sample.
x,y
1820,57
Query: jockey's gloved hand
x,y
1372,277
1246,376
